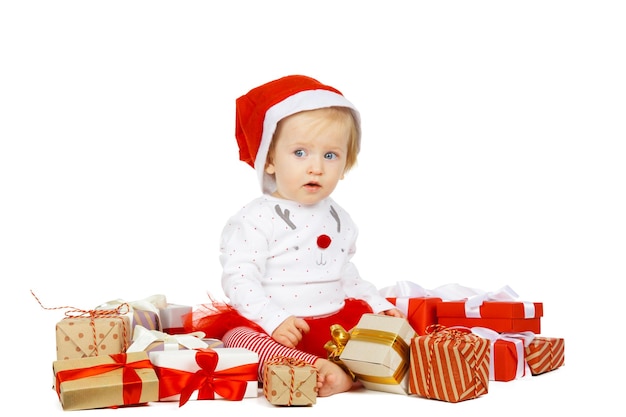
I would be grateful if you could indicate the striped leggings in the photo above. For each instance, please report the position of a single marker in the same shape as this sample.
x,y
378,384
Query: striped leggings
x,y
264,345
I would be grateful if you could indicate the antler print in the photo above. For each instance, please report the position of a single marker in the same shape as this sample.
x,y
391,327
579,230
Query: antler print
x,y
333,213
285,216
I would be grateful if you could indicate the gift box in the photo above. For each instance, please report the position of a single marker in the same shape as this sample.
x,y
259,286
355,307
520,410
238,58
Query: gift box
x,y
105,381
545,354
449,365
289,382
144,312
173,317
508,358
104,333
206,374
501,316
420,312
377,352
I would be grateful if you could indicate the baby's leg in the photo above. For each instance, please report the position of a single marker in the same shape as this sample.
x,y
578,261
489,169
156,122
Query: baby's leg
x,y
264,346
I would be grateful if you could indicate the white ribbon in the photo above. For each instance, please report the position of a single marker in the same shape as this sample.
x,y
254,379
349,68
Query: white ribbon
x,y
520,341
142,338
506,293
402,292
474,298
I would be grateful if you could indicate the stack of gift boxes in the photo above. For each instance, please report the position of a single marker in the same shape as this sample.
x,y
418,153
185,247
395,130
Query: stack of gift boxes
x,y
130,353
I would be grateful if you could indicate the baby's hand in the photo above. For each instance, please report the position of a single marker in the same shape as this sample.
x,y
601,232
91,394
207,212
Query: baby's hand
x,y
394,312
290,331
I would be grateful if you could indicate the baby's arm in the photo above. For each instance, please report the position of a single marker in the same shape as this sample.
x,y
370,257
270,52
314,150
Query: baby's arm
x,y
289,332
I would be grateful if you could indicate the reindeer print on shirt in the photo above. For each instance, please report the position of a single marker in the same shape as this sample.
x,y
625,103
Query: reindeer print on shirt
x,y
323,240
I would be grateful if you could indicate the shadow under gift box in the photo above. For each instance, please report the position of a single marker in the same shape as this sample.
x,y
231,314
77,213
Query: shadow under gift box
x,y
105,381
378,352
501,316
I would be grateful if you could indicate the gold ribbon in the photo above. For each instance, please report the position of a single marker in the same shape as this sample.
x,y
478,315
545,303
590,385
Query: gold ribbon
x,y
388,339
334,347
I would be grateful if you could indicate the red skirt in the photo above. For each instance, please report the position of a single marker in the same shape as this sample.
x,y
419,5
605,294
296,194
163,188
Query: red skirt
x,y
217,318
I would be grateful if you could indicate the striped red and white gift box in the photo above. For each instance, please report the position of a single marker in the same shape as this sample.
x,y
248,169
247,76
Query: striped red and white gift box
x,y
545,354
449,366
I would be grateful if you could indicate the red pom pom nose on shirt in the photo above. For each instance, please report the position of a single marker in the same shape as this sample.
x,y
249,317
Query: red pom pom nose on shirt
x,y
323,241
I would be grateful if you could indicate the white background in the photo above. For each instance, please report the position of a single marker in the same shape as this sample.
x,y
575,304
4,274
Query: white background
x,y
493,136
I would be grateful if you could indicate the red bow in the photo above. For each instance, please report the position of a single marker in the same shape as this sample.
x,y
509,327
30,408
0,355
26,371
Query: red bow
x,y
230,383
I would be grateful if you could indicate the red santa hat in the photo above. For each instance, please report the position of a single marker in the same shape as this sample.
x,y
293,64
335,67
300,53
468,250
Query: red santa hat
x,y
260,110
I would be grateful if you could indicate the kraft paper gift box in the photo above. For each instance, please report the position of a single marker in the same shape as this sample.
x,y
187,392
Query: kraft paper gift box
x,y
545,354
449,365
508,357
289,382
173,317
377,352
104,333
105,381
206,374
501,316
154,340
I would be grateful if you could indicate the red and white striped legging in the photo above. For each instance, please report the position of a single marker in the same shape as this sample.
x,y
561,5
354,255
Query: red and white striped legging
x,y
310,348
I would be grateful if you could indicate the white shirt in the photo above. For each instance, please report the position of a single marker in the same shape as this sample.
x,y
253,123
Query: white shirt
x,y
273,266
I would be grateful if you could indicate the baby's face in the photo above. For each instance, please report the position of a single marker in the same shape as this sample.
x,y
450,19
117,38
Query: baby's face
x,y
309,156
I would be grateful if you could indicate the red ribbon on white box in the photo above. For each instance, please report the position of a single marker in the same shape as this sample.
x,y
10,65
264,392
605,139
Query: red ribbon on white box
x,y
520,341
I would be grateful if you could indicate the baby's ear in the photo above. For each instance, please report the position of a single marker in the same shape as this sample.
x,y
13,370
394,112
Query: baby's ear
x,y
269,169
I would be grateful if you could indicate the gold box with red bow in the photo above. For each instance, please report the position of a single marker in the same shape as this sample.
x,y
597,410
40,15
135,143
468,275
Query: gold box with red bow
x,y
420,312
545,354
289,382
105,381
206,374
449,365
82,337
377,352
501,316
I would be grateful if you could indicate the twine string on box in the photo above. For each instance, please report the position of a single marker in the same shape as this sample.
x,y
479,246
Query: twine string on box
x,y
292,363
73,312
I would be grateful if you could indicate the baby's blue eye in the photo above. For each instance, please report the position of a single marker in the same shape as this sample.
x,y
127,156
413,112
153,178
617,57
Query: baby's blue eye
x,y
330,155
299,153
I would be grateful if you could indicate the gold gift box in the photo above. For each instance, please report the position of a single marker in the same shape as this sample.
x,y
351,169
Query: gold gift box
x,y
378,352
105,381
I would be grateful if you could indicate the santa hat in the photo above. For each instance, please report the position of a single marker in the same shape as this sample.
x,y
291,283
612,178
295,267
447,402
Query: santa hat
x,y
260,110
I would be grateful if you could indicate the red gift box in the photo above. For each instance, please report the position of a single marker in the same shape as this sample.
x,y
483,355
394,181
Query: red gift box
x,y
501,316
420,312
545,354
508,356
